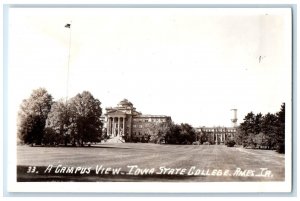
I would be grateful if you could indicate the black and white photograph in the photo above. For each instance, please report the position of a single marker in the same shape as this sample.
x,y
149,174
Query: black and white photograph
x,y
151,99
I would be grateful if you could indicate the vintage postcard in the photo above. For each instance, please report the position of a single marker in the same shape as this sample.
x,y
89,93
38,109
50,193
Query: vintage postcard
x,y
149,99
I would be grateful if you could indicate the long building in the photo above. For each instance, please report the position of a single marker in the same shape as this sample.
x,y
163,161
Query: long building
x,y
217,135
124,122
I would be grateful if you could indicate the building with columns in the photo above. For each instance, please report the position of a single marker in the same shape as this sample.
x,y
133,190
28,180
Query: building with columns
x,y
124,122
217,135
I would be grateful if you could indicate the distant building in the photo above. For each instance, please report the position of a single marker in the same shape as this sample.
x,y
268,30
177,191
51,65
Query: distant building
x,y
123,121
217,135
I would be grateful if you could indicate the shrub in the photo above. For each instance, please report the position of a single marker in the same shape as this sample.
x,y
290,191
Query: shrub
x,y
230,143
281,148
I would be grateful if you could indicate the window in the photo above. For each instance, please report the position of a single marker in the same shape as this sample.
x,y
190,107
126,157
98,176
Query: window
x,y
141,126
134,126
146,120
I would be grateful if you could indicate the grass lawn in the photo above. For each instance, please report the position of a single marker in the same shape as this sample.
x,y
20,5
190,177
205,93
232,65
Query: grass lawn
x,y
148,162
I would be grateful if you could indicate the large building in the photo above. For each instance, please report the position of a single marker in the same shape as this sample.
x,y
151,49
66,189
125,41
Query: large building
x,y
217,135
127,124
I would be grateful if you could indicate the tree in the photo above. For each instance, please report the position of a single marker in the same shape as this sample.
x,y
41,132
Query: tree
x,y
58,125
180,134
266,131
269,129
238,137
280,134
247,128
32,116
172,134
187,134
260,140
257,123
85,123
157,131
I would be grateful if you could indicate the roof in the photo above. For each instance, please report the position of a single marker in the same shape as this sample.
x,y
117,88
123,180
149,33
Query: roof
x,y
125,103
152,116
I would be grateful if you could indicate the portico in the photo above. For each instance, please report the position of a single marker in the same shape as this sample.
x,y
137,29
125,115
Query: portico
x,y
116,125
220,138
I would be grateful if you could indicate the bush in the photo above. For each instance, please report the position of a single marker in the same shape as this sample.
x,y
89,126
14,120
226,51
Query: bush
x,y
281,148
230,143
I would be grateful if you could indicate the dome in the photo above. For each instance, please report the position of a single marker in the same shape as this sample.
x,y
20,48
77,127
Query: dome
x,y
125,103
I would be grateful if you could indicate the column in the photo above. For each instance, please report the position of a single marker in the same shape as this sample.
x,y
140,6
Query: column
x,y
123,126
130,126
113,127
118,126
216,139
108,125
221,137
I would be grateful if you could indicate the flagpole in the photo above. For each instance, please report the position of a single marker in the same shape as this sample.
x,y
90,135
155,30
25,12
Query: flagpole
x,y
68,69
69,56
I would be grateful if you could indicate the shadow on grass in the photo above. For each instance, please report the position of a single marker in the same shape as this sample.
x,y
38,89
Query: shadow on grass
x,y
87,147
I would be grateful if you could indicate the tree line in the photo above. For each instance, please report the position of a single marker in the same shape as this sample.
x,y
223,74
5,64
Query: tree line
x,y
44,121
263,131
78,120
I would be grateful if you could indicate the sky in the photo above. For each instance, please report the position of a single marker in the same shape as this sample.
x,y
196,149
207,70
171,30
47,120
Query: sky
x,y
192,64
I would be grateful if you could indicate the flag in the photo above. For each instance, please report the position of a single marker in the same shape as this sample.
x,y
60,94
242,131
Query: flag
x,y
68,25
